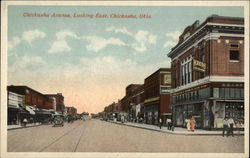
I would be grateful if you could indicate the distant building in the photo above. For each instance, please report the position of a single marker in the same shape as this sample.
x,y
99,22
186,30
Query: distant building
x,y
72,111
58,100
208,72
157,95
137,102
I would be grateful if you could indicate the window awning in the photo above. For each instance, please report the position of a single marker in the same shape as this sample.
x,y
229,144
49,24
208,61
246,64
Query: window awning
x,y
30,109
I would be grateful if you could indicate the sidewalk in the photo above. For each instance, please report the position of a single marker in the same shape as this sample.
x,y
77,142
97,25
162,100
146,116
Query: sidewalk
x,y
11,127
177,130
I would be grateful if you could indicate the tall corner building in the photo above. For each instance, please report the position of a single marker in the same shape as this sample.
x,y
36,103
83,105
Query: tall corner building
x,y
207,68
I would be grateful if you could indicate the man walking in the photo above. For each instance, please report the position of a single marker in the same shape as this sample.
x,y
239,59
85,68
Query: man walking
x,y
231,126
169,123
225,126
160,122
25,121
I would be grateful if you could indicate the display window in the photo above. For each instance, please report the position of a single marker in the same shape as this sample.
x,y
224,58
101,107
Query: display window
x,y
236,111
179,115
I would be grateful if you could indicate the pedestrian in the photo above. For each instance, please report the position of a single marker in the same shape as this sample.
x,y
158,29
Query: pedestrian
x,y
230,126
187,121
169,123
25,122
31,120
225,126
160,122
122,118
192,124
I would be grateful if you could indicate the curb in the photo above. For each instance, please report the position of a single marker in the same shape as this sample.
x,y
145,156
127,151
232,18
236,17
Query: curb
x,y
23,127
189,134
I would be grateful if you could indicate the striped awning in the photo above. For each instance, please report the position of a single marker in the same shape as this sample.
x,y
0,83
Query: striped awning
x,y
30,109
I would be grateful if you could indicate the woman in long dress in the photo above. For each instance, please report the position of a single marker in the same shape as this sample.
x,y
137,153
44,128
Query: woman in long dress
x,y
188,124
192,124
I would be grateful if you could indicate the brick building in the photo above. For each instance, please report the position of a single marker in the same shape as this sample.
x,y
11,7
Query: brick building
x,y
58,100
36,105
127,103
157,95
137,102
32,97
15,105
208,72
72,111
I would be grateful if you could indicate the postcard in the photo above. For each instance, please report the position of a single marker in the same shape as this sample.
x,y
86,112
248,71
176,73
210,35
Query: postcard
x,y
124,79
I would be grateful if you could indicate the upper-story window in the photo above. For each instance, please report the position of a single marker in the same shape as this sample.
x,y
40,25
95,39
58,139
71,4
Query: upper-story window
x,y
234,55
234,46
186,71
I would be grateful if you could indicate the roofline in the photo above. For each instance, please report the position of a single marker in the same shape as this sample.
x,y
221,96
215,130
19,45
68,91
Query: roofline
x,y
160,69
58,94
203,24
27,88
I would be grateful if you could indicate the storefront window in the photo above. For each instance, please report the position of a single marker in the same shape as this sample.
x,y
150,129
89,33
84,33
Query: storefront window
x,y
197,113
218,111
206,116
189,111
179,116
236,111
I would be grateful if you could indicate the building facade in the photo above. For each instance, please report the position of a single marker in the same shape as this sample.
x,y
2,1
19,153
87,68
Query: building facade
x,y
208,73
36,106
15,103
157,96
58,100
71,111
138,103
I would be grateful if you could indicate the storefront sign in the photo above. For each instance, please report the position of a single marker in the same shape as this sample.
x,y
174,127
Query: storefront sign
x,y
151,99
191,90
164,90
15,100
167,79
199,66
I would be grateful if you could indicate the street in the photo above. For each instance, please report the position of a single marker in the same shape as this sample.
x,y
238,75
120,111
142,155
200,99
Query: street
x,y
101,136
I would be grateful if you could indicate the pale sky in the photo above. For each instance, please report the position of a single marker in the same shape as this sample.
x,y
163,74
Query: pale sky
x,y
91,60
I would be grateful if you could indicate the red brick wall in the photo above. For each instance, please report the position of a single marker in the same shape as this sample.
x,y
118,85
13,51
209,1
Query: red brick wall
x,y
151,86
226,21
165,103
221,65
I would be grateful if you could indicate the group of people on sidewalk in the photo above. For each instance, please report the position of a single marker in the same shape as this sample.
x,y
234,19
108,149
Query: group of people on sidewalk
x,y
169,124
190,123
228,125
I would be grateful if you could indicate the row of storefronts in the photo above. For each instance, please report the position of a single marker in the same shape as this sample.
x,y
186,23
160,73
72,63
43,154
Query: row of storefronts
x,y
145,103
26,103
205,81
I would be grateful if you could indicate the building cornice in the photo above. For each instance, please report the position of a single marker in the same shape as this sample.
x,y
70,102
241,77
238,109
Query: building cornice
x,y
198,31
209,79
210,36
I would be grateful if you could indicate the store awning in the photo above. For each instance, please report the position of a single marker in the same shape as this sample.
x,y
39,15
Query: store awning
x,y
44,111
30,109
